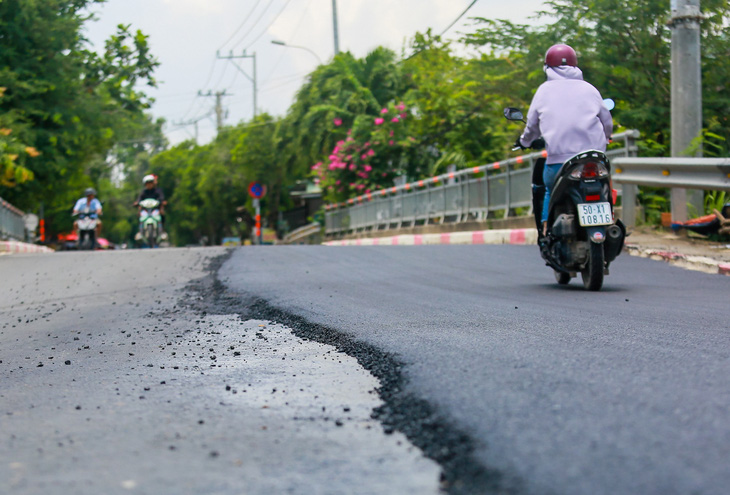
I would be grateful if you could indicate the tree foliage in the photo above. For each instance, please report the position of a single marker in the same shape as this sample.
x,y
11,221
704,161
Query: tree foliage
x,y
69,104
71,118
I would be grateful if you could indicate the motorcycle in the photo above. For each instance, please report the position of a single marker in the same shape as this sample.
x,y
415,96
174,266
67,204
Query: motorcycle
x,y
583,235
86,223
150,222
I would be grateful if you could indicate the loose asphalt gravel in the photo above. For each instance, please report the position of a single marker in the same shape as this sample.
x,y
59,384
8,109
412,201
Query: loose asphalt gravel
x,y
116,377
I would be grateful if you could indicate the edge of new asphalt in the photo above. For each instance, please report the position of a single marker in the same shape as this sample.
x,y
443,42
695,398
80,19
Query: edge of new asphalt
x,y
416,418
529,236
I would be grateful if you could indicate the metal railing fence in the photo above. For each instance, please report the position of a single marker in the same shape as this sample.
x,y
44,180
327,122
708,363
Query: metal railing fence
x,y
12,225
470,194
710,174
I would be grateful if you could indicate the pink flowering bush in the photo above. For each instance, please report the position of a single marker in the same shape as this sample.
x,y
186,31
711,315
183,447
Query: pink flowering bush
x,y
369,156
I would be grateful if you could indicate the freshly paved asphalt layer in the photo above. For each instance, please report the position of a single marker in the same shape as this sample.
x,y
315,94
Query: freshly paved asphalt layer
x,y
557,390
116,377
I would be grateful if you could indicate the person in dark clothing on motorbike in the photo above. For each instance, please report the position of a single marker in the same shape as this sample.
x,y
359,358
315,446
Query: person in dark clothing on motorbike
x,y
151,191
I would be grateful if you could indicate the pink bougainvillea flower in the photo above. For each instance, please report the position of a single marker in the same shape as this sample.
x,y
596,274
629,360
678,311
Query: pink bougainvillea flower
x,y
391,133
384,111
360,187
390,142
337,122
367,168
379,121
403,115
371,152
349,138
401,106
367,191
364,156
366,144
332,166
338,182
395,120
352,166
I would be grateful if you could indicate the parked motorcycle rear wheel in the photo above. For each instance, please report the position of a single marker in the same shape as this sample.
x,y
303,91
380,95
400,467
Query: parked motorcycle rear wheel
x,y
593,273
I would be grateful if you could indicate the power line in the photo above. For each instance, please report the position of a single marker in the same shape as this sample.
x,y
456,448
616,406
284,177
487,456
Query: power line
x,y
447,28
240,40
269,25
457,19
245,20
291,36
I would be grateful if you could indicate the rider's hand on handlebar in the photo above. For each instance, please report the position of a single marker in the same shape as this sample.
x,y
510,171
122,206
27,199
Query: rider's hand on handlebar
x,y
538,144
518,145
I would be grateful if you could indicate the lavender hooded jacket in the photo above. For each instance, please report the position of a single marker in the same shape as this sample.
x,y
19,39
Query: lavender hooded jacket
x,y
569,114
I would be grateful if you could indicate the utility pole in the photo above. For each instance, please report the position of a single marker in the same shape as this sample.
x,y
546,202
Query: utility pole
x,y
336,30
232,58
686,89
218,106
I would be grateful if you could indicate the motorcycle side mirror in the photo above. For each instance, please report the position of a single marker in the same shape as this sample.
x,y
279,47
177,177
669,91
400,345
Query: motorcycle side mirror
x,y
511,113
609,104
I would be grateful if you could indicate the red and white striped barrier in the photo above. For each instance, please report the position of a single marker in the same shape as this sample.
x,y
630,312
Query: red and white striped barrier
x,y
10,247
504,236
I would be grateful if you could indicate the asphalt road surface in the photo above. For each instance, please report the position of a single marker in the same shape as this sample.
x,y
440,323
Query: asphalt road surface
x,y
359,370
115,379
550,389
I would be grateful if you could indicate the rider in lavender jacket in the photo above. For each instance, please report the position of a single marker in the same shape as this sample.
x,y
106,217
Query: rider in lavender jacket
x,y
569,114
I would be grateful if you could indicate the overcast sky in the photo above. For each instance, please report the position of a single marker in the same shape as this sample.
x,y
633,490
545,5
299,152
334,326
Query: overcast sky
x,y
186,34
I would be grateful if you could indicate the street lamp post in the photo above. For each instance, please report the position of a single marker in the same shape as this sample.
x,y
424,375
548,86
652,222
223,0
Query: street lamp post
x,y
281,43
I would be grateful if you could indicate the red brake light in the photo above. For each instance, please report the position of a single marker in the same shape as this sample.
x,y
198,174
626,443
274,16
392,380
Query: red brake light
x,y
589,170
593,197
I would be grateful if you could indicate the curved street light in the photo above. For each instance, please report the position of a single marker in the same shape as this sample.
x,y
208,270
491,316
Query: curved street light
x,y
281,43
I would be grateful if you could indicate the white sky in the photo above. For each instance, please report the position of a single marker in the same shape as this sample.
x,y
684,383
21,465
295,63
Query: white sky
x,y
186,34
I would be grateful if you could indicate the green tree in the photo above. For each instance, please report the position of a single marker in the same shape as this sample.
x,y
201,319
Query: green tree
x,y
72,105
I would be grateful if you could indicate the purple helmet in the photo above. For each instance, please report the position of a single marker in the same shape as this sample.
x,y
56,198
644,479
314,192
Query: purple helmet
x,y
560,54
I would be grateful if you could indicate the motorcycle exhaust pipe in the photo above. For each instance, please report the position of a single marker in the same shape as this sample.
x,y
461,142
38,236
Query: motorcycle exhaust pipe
x,y
614,242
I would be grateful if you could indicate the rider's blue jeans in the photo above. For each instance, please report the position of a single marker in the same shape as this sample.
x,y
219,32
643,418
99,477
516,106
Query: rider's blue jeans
x,y
548,176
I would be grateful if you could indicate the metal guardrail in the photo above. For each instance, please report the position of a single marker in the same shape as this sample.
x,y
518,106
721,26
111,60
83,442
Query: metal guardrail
x,y
11,222
475,193
710,174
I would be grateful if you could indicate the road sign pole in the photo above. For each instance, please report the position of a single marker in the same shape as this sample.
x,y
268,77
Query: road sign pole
x,y
257,205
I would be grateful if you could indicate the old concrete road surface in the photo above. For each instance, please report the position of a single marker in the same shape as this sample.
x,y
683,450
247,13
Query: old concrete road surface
x,y
513,383
119,375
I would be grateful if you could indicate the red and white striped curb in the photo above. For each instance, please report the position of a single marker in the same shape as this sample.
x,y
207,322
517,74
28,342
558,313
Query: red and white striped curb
x,y
10,247
505,236
697,263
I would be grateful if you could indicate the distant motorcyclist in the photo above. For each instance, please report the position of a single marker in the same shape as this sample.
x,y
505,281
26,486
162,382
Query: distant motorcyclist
x,y
93,205
568,113
151,191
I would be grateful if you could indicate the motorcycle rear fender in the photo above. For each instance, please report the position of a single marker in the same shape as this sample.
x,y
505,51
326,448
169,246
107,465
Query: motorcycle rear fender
x,y
597,234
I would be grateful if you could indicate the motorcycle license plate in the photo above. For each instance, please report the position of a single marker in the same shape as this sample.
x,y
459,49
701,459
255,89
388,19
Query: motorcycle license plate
x,y
590,214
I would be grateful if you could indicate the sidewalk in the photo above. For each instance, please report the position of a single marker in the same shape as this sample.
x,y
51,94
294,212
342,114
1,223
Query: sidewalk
x,y
693,253
11,247
687,252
